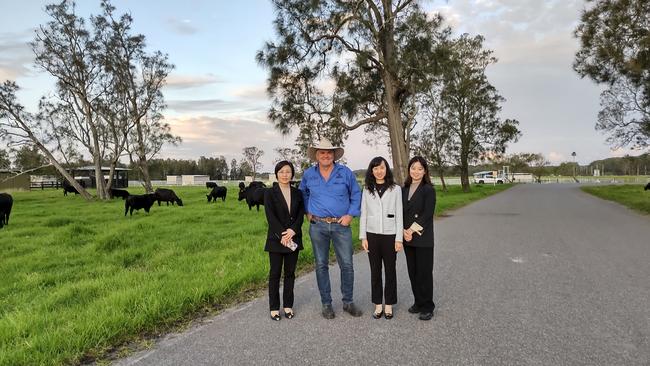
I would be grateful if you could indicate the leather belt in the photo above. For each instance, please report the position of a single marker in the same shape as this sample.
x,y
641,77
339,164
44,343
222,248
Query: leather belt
x,y
329,220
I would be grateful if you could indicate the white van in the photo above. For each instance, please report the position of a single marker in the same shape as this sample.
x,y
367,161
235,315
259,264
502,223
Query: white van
x,y
489,177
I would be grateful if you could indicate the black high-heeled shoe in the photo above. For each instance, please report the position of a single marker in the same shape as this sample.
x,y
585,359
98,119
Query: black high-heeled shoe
x,y
388,316
289,315
275,317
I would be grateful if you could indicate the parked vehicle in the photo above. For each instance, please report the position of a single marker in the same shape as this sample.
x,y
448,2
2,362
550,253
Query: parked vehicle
x,y
489,177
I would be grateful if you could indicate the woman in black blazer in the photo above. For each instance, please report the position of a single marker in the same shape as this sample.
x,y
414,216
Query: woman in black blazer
x,y
284,209
419,203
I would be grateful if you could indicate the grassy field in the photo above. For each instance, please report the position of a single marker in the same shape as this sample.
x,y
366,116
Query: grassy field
x,y
630,195
79,279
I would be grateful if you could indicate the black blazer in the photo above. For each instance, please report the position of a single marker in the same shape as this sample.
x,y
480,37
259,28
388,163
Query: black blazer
x,y
420,208
281,219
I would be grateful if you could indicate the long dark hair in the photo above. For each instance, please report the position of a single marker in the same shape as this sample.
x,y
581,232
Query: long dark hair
x,y
371,183
425,179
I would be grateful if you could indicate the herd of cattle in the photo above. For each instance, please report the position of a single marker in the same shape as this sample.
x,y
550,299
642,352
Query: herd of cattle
x,y
253,194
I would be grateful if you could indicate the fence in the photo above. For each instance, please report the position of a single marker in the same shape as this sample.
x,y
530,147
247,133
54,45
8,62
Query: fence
x,y
44,184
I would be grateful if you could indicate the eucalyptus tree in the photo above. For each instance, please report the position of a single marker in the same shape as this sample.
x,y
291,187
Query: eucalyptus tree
x,y
341,65
432,141
615,50
138,78
471,106
66,49
5,161
297,157
252,156
19,127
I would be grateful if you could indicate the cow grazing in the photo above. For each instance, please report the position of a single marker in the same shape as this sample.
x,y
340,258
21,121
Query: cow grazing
x,y
137,202
68,188
256,183
253,194
167,195
209,185
119,193
647,187
6,202
217,192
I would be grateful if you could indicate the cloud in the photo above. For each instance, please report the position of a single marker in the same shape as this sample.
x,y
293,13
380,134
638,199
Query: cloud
x,y
213,105
182,26
175,81
16,55
555,157
215,136
254,92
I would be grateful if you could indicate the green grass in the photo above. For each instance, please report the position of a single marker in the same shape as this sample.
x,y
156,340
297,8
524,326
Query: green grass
x,y
79,279
630,195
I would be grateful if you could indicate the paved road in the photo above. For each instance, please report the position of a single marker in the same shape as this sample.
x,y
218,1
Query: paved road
x,y
536,275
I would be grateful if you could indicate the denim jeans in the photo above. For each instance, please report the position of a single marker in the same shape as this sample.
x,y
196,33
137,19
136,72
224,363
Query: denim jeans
x,y
321,234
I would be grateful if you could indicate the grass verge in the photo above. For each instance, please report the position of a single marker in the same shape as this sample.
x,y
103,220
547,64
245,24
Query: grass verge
x,y
629,195
80,280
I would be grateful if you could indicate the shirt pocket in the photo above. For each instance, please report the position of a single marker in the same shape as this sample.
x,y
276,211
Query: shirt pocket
x,y
339,186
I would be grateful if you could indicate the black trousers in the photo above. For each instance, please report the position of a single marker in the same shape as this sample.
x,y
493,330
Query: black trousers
x,y
277,259
419,262
381,249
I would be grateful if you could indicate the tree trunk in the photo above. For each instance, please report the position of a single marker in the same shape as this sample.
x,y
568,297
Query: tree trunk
x,y
82,191
442,180
464,173
111,173
142,160
387,51
99,176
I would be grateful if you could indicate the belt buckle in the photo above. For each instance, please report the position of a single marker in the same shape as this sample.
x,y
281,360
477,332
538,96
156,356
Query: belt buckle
x,y
330,220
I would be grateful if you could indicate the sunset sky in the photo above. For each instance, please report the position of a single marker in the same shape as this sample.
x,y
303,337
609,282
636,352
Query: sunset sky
x,y
216,94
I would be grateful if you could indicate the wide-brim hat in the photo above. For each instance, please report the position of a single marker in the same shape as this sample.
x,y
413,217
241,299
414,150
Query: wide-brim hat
x,y
324,144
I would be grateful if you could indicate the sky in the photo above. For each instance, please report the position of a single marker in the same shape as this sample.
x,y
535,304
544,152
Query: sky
x,y
216,95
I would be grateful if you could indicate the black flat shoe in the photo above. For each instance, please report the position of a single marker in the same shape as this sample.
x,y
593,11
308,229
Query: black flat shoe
x,y
426,316
388,316
289,315
377,315
275,317
414,309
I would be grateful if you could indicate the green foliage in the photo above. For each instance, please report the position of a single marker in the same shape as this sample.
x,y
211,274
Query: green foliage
x,y
615,50
378,56
466,124
5,162
79,278
630,195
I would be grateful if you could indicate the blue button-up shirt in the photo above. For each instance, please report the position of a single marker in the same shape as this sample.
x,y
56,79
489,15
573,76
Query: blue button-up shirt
x,y
339,195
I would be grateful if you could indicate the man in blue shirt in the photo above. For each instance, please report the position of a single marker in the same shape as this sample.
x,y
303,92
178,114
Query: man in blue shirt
x,y
332,197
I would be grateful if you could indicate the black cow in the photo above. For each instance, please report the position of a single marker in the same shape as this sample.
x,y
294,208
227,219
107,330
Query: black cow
x,y
139,201
119,193
68,188
647,187
253,194
167,195
217,192
209,185
6,202
242,185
